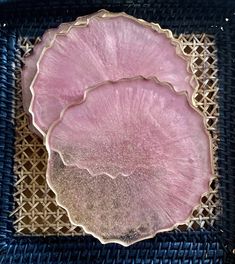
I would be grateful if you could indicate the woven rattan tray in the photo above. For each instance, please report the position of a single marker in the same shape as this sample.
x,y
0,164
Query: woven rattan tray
x,y
36,211
32,228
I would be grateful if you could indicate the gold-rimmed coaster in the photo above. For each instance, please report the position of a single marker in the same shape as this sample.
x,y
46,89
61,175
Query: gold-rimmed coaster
x,y
35,209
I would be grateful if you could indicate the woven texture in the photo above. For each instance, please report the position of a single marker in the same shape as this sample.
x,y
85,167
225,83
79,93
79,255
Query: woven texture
x,y
36,211
29,19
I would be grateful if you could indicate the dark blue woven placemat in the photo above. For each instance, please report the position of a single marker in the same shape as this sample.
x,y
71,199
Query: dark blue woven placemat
x,y
213,245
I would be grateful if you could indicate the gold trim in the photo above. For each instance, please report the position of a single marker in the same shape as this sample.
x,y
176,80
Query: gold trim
x,y
106,14
88,90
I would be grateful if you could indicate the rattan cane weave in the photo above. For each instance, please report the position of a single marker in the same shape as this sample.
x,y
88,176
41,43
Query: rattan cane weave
x,y
36,212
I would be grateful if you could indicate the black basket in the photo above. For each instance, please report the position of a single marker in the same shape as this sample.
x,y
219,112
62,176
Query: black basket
x,y
213,245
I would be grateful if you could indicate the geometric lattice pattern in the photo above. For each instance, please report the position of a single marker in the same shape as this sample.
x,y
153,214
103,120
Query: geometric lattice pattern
x,y
36,212
202,51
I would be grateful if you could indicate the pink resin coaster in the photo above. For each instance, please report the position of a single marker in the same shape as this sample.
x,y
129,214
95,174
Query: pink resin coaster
x,y
129,124
108,46
131,160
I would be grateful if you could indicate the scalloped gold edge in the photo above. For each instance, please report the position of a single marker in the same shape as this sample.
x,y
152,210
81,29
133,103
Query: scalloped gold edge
x,y
88,90
106,14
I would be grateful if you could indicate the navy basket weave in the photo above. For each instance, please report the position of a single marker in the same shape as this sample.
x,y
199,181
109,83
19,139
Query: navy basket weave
x,y
213,245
